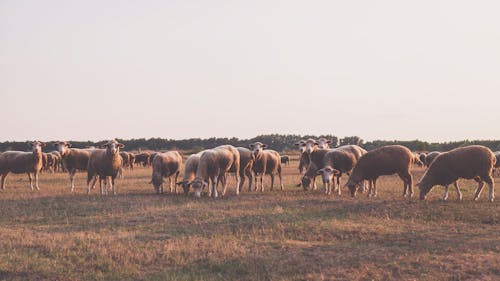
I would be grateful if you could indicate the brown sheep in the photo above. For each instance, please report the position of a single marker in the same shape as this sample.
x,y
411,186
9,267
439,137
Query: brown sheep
x,y
386,160
247,159
104,163
142,158
335,163
126,158
190,169
267,162
316,163
214,166
73,159
469,162
285,159
166,165
19,162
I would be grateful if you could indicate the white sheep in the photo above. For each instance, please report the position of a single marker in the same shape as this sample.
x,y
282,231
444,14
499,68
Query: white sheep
x,y
19,162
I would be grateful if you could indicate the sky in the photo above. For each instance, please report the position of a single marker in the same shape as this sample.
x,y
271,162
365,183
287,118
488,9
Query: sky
x,y
94,70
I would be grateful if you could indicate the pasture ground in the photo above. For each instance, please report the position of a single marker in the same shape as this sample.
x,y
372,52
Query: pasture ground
x,y
291,235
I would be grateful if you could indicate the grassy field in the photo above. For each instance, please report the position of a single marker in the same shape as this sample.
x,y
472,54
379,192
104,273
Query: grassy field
x,y
292,235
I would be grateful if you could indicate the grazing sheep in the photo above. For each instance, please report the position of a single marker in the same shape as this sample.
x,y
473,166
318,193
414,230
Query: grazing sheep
x,y
430,157
247,159
104,163
73,159
285,159
213,167
469,162
335,163
316,163
324,143
267,162
190,169
386,160
166,165
19,162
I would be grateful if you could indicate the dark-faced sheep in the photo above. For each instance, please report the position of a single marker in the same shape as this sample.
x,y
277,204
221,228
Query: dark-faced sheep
x,y
73,159
285,159
386,160
166,165
214,166
267,162
104,163
190,169
19,162
469,162
315,163
429,157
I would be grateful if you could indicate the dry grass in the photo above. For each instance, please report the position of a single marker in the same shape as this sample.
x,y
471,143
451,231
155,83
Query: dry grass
x,y
291,235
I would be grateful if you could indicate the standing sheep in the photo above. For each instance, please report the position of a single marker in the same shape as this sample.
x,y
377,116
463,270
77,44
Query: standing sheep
x,y
190,169
19,162
214,166
267,162
247,159
73,159
386,160
104,163
285,159
469,162
166,165
324,143
315,163
335,163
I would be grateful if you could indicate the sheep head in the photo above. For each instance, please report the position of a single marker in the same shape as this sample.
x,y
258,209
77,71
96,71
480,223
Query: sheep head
x,y
62,147
257,148
113,147
198,186
185,185
36,146
323,143
327,173
310,145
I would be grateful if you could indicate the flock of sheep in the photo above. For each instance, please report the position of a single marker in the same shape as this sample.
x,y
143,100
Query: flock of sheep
x,y
210,168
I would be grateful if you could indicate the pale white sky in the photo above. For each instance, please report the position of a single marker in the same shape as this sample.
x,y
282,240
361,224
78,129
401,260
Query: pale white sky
x,y
92,70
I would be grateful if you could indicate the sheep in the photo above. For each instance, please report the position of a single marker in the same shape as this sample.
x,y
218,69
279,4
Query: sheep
x,y
142,158
469,162
323,143
132,160
126,158
497,164
386,160
267,162
247,159
45,162
213,167
104,163
285,159
335,163
430,157
316,163
57,161
166,165
73,159
19,162
190,169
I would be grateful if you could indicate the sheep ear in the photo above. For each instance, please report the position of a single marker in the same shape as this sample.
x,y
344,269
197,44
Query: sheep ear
x,y
335,172
328,141
264,146
121,145
251,145
316,143
43,144
68,144
320,171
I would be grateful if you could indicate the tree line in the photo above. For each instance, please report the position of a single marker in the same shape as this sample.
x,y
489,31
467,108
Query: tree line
x,y
274,141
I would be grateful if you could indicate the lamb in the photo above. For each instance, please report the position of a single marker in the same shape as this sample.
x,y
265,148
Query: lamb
x,y
335,163
430,157
386,160
267,162
166,165
214,165
247,159
469,162
104,163
316,163
73,159
285,159
190,169
19,162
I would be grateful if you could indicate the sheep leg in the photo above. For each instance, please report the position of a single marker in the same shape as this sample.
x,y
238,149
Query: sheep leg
x,y
91,182
370,186
491,188
262,182
445,193
214,187
315,187
113,185
176,177
248,173
36,181
238,179
374,194
4,177
281,179
272,181
459,194
31,181
478,190
224,184
72,179
338,186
